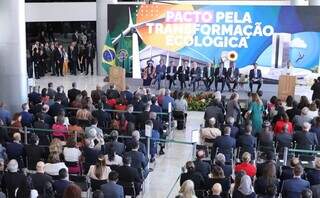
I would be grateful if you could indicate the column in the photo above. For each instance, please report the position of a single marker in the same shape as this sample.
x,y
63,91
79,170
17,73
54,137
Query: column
x,y
314,2
299,2
13,69
102,29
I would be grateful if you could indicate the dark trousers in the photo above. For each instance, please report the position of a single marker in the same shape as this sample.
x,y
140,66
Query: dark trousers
x,y
255,82
59,68
193,82
73,67
36,71
235,84
182,84
208,82
89,63
222,80
171,81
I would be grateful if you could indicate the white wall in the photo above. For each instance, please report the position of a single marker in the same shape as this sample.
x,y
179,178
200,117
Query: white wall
x,y
86,11
36,12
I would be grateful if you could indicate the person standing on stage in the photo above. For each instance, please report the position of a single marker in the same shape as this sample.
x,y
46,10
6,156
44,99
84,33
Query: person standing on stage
x,y
160,73
36,60
89,55
73,59
59,59
148,73
171,73
220,74
82,59
195,74
232,76
255,77
183,74
208,76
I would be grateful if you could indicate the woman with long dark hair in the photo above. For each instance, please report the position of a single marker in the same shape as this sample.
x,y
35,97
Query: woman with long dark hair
x,y
112,158
99,171
267,185
25,190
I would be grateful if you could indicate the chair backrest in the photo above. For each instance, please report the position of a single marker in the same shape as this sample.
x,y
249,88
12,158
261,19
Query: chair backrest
x,y
128,188
80,180
95,184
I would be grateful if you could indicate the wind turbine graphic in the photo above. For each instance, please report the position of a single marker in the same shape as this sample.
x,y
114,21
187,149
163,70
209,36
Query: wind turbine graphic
x,y
136,71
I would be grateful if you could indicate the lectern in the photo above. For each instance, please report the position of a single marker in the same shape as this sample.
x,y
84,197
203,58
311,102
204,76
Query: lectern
x,y
117,76
286,87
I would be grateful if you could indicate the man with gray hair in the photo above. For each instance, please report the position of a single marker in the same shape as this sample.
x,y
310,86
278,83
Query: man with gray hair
x,y
298,120
11,179
136,138
234,129
118,147
210,133
166,100
220,160
305,139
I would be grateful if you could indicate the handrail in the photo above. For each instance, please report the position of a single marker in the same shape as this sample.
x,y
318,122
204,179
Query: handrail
x,y
175,183
118,111
105,135
304,151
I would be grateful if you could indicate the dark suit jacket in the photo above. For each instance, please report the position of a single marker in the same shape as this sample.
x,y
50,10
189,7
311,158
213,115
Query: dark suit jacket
x,y
15,151
129,174
196,177
174,71
313,176
112,190
59,186
112,94
55,109
39,181
34,154
90,157
142,146
72,94
58,57
127,95
195,73
139,161
292,188
202,167
315,191
214,111
117,146
284,140
92,53
247,141
205,72
305,140
224,72
235,73
225,143
103,118
251,74
11,181
185,76
34,97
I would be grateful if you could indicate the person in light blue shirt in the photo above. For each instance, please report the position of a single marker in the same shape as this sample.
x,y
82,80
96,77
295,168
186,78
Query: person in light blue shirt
x,y
166,100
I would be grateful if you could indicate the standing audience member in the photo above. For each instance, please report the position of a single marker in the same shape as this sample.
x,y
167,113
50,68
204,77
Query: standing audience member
x,y
256,112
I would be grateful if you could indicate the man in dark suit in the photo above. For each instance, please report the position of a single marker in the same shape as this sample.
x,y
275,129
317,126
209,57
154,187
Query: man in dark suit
x,y
195,74
305,139
127,94
90,53
26,117
34,153
59,59
224,144
34,97
39,179
192,175
112,189
131,142
143,117
200,165
128,174
292,188
56,107
139,161
255,77
72,93
60,185
112,93
46,117
313,175
90,155
96,95
103,117
51,92
232,76
183,74
73,58
208,76
15,150
214,111
283,139
247,142
220,74
171,74
118,147
160,73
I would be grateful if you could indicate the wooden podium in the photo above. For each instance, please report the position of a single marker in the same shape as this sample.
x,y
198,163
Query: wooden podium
x,y
286,87
117,76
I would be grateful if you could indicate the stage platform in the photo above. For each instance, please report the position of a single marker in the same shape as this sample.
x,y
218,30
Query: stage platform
x,y
89,83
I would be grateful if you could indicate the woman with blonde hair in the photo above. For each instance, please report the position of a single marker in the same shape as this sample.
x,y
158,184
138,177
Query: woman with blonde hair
x,y
187,189
256,113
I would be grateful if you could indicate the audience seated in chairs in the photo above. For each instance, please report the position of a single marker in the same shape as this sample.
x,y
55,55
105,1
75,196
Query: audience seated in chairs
x,y
224,144
72,156
112,158
220,160
54,165
139,161
247,142
243,186
216,190
217,176
90,155
202,166
267,185
210,133
118,147
194,176
34,153
187,189
15,150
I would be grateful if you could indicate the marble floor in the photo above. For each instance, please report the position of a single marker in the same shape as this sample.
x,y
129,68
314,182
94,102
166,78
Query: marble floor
x,y
161,182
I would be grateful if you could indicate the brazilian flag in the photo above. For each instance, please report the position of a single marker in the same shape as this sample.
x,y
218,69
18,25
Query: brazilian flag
x,y
123,53
108,54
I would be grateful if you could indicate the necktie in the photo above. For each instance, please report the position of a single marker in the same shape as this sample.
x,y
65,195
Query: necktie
x,y
209,71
